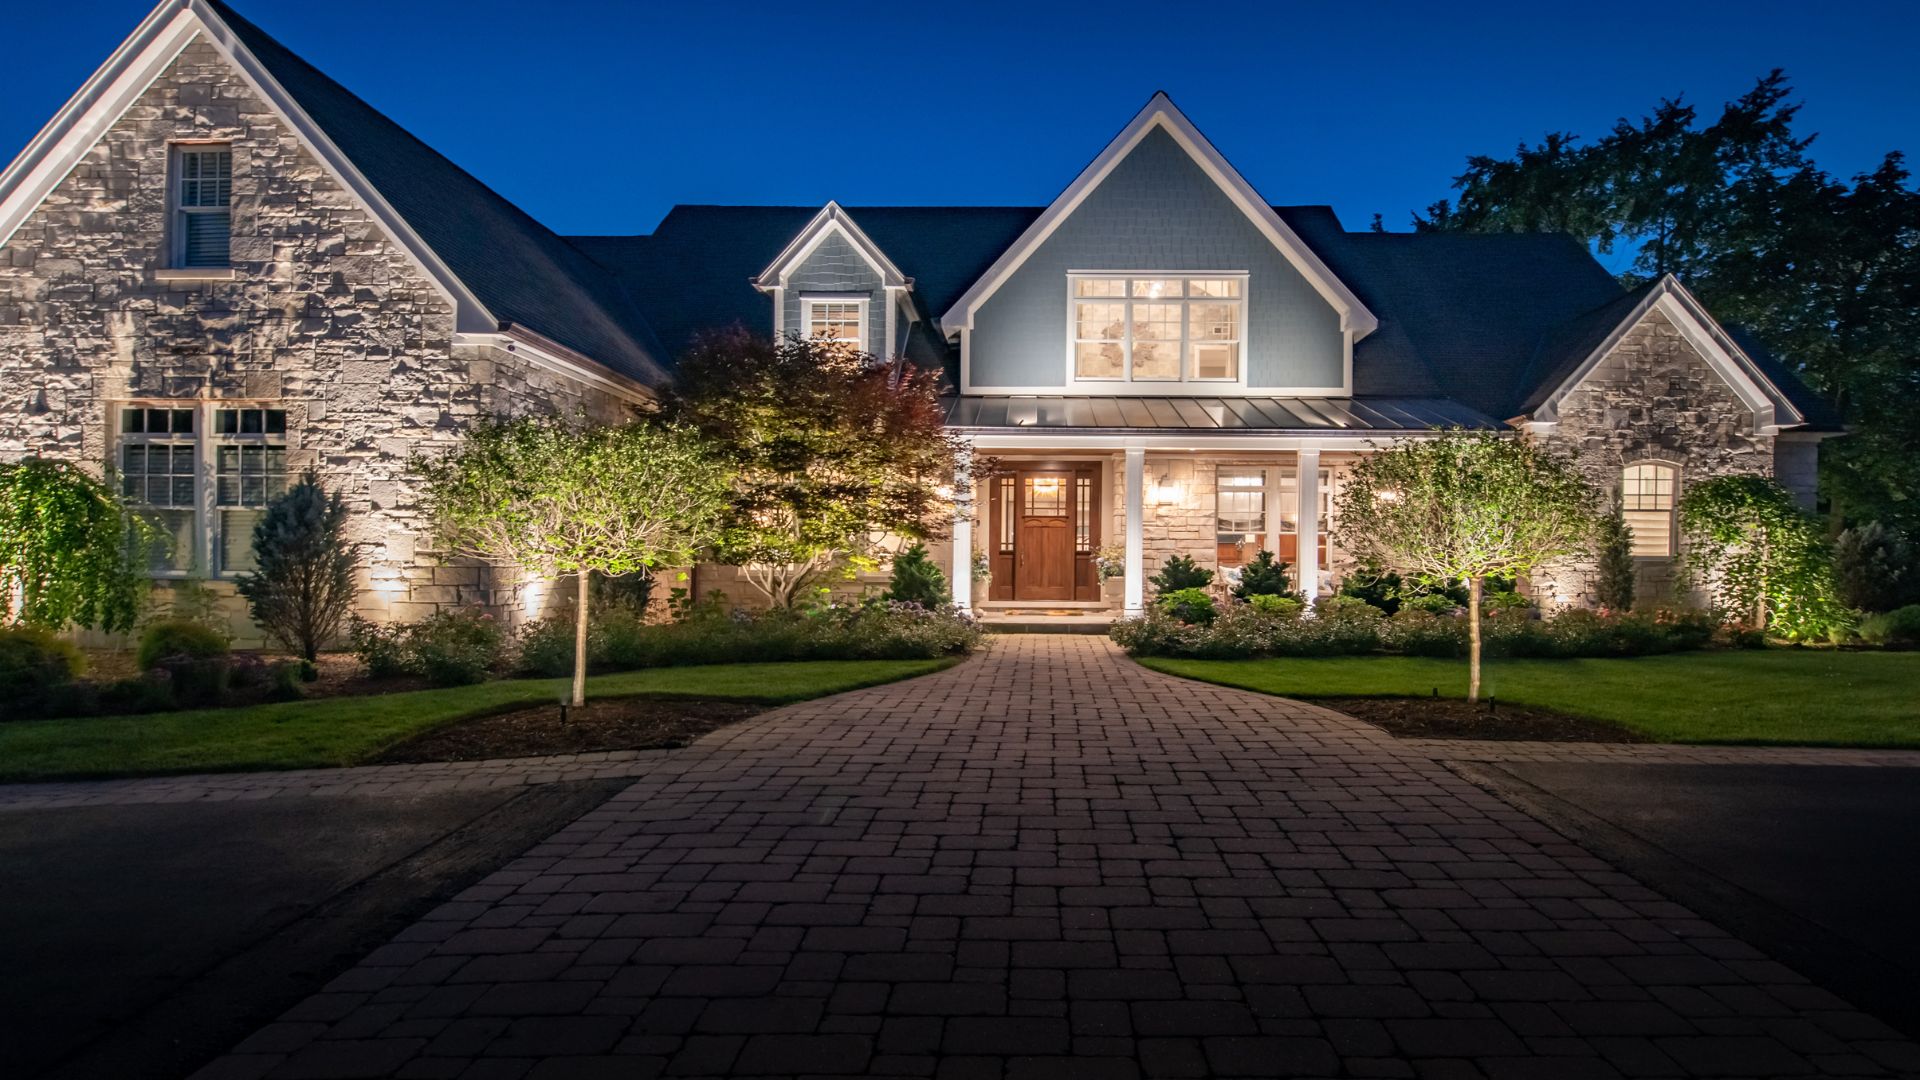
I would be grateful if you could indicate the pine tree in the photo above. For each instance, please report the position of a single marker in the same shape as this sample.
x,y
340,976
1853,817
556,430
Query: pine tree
x,y
301,587
1614,580
917,580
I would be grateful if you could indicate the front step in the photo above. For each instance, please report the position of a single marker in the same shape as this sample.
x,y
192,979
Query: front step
x,y
1043,621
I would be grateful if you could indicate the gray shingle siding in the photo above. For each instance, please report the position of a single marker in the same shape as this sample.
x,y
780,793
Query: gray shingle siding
x,y
1157,210
835,267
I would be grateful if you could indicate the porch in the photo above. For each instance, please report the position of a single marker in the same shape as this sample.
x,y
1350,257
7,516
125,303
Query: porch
x,y
1068,538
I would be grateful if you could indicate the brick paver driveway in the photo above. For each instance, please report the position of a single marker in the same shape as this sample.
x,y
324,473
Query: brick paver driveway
x,y
1049,862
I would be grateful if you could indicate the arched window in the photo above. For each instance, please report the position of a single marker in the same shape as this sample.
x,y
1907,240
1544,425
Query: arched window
x,y
1647,493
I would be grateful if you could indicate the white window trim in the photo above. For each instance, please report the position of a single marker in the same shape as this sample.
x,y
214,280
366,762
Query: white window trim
x,y
808,301
176,231
206,511
1126,379
1673,511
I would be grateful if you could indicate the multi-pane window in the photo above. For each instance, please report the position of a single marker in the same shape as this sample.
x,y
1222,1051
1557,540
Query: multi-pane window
x,y
202,205
163,455
1240,513
1158,329
158,474
841,320
1647,500
250,470
1287,498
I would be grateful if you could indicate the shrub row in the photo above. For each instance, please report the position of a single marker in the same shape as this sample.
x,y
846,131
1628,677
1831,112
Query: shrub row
x,y
1343,626
466,646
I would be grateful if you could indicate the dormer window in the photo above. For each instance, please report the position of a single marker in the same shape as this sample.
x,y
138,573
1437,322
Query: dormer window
x,y
835,318
202,205
1158,327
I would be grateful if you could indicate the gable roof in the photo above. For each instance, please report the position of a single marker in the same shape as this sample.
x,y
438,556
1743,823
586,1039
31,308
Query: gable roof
x,y
1161,113
499,268
1575,349
697,270
831,219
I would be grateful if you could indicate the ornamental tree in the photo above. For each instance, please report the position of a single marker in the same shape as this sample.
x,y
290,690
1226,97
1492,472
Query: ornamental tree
x,y
301,587
832,451
558,497
1461,507
71,550
1760,553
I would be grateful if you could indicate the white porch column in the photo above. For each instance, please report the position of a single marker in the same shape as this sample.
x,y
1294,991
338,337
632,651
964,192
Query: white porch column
x,y
961,579
1307,529
1136,531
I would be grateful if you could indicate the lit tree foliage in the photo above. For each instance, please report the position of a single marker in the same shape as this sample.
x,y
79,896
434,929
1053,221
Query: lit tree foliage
x,y
70,549
1824,271
1461,507
832,451
301,587
1761,554
575,498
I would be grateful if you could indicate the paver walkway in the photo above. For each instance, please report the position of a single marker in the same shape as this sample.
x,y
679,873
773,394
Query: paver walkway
x,y
1049,862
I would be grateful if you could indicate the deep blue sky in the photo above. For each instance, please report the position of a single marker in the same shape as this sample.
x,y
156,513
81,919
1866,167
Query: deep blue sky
x,y
596,116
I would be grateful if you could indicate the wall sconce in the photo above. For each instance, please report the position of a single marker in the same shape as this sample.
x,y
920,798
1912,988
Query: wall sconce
x,y
1165,492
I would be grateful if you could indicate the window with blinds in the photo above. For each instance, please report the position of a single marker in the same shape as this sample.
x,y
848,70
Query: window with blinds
x,y
839,320
202,206
1647,500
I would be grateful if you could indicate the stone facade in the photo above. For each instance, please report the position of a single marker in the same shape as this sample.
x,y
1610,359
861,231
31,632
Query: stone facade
x,y
326,318
1653,398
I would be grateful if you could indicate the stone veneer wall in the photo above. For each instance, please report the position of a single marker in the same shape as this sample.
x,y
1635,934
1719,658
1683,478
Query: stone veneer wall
x,y
329,319
1653,398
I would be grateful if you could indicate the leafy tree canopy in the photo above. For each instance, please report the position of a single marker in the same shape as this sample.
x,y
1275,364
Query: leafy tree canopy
x,y
560,497
832,450
1824,271
70,549
1464,507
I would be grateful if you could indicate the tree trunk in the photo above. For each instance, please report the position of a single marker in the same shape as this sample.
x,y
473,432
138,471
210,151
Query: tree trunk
x,y
1473,639
580,642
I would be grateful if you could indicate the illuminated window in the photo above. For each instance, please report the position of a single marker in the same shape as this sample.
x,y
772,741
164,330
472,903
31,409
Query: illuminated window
x,y
1240,506
1158,329
202,204
839,320
1647,499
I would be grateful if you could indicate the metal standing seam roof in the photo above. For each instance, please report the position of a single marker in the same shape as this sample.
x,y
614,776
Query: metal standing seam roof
x,y
1222,416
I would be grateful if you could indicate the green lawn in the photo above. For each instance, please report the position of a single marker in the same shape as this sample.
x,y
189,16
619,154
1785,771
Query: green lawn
x,y
350,730
1806,697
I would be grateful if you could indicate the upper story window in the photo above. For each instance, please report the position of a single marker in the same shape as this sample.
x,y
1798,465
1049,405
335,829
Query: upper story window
x,y
204,478
1647,500
1158,328
202,205
840,319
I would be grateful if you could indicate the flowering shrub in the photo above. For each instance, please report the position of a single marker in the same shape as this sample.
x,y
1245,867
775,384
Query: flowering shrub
x,y
1353,627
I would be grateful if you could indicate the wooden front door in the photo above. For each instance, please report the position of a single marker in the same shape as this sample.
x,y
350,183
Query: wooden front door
x,y
1044,535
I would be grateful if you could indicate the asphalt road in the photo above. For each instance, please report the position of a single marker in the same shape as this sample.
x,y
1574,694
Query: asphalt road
x,y
141,941
1819,866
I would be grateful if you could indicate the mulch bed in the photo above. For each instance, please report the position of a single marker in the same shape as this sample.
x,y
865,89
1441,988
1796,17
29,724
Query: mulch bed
x,y
1451,718
613,724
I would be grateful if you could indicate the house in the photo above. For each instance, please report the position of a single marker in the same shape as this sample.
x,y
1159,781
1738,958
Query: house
x,y
219,268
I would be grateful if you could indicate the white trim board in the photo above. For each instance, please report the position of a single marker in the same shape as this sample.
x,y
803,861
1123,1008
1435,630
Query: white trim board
x,y
1160,112
1771,409
142,58
832,218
